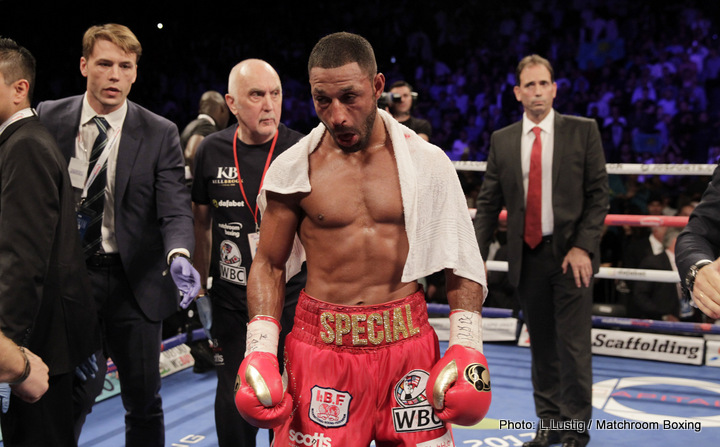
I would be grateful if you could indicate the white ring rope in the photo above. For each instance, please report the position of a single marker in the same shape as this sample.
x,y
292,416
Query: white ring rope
x,y
611,273
638,274
619,168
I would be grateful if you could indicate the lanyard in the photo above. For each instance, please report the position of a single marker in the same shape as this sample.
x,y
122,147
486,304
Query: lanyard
x,y
237,169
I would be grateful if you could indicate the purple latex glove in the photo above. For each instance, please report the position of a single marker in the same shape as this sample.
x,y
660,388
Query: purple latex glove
x,y
186,278
87,368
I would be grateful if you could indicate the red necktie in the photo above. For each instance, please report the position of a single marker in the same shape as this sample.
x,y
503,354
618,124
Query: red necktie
x,y
533,206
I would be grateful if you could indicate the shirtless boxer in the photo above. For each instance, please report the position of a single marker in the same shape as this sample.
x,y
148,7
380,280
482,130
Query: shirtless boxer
x,y
376,207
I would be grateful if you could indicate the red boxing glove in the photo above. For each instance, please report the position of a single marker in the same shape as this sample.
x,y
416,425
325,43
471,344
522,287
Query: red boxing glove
x,y
459,386
261,394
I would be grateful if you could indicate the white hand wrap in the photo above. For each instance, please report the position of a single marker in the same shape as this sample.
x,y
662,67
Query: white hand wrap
x,y
466,329
263,333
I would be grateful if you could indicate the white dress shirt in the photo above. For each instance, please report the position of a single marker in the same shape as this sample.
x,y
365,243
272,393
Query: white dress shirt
x,y
87,133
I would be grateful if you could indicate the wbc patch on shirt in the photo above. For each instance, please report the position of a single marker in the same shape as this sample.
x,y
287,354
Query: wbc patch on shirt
x,y
414,413
230,260
329,407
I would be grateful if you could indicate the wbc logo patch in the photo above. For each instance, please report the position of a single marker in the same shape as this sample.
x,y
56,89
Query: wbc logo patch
x,y
230,259
329,407
414,412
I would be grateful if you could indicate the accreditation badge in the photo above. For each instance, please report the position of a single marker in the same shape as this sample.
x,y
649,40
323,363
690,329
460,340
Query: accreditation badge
x,y
84,217
253,240
78,172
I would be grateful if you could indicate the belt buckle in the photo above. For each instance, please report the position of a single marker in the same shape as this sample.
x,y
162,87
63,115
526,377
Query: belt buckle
x,y
102,259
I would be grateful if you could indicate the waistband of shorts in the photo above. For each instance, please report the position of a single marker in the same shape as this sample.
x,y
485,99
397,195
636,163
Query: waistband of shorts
x,y
360,327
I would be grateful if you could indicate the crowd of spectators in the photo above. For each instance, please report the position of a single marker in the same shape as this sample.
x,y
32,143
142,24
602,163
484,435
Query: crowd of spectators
x,y
647,71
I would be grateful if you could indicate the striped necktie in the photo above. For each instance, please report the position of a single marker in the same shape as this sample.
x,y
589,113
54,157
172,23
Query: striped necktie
x,y
94,203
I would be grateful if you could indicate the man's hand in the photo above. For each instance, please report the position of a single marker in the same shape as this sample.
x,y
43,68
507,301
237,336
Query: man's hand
x,y
706,291
32,389
579,260
186,278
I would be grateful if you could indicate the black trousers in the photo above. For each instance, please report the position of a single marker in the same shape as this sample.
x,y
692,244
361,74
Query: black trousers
x,y
47,422
229,331
559,318
133,343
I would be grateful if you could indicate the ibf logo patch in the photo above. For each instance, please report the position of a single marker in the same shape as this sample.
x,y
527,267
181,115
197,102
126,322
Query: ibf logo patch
x,y
328,407
414,413
230,259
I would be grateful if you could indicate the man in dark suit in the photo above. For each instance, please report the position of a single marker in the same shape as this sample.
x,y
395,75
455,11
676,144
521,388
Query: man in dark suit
x,y
698,250
45,302
645,242
657,300
128,161
553,240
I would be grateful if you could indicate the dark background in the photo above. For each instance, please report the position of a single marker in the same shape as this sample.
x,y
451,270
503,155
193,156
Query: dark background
x,y
478,41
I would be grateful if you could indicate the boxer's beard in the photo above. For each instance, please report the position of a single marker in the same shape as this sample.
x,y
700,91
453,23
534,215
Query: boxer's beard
x,y
363,133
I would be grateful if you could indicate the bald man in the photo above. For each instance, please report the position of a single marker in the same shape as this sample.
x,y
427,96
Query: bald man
x,y
229,169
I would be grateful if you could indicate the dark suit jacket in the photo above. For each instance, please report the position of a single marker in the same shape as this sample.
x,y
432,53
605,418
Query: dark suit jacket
x,y
152,203
45,299
652,299
701,237
580,191
637,250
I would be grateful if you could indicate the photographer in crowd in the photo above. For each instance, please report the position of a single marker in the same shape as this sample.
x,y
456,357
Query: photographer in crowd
x,y
399,102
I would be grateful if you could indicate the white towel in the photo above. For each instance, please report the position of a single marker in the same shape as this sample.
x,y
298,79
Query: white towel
x,y
437,222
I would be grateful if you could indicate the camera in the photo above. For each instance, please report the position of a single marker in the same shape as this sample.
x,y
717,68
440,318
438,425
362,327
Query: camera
x,y
386,98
